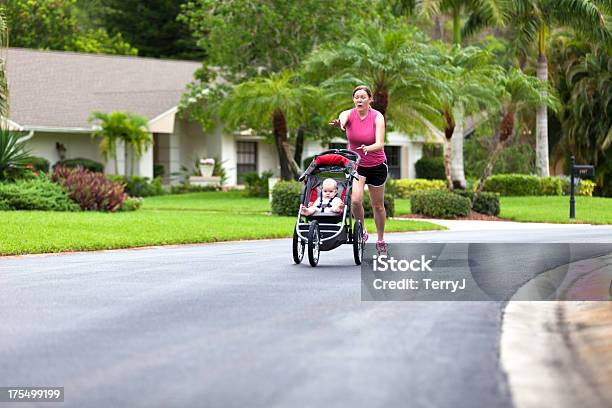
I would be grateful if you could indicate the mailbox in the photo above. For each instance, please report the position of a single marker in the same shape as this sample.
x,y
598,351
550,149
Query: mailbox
x,y
584,171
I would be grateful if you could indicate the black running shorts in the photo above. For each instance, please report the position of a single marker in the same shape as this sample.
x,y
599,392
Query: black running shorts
x,y
375,176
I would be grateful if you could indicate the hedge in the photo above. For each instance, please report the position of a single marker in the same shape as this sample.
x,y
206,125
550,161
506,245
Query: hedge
x,y
487,203
367,205
513,185
526,185
404,187
137,186
88,164
286,197
430,168
439,204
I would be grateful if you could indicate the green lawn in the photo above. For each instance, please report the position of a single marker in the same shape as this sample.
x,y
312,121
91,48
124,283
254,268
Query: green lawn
x,y
554,209
592,210
175,219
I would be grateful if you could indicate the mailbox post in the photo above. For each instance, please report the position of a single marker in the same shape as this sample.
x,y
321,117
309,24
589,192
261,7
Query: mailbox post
x,y
581,171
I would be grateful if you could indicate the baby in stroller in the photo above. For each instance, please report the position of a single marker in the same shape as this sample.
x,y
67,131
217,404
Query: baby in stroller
x,y
328,202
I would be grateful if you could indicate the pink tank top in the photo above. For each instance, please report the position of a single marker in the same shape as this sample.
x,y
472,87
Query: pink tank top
x,y
363,131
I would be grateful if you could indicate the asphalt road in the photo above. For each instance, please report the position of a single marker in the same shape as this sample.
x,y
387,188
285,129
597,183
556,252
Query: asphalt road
x,y
237,324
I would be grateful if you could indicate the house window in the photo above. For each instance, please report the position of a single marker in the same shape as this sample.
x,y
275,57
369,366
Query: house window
x,y
393,154
246,160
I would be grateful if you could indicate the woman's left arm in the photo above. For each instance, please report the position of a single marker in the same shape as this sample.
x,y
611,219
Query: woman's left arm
x,y
380,136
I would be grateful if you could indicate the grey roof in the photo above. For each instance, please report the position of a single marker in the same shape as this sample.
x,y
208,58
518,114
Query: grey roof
x,y
62,89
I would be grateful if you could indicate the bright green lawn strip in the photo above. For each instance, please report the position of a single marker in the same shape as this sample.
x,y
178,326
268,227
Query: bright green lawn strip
x,y
555,209
232,201
39,232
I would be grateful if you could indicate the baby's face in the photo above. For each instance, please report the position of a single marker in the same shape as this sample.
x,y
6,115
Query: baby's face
x,y
329,191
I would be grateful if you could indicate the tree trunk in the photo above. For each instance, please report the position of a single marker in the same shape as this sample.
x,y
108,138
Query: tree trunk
x,y
279,129
505,133
457,170
299,146
125,158
115,159
447,164
381,101
542,123
488,170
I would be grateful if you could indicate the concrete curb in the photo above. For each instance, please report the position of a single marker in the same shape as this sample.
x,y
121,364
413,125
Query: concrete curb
x,y
560,353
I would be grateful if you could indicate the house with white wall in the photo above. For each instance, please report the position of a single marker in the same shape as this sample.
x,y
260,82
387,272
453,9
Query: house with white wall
x,y
53,94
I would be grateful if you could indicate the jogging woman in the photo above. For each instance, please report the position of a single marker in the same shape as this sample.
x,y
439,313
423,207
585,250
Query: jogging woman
x,y
365,132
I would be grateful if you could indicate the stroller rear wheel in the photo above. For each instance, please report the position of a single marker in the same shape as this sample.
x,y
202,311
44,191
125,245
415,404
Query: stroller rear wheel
x,y
298,248
313,243
358,242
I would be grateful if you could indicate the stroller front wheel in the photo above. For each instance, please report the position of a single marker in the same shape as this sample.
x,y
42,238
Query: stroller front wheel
x,y
358,242
313,243
298,248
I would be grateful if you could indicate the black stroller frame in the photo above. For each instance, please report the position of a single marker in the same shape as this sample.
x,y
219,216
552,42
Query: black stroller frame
x,y
321,231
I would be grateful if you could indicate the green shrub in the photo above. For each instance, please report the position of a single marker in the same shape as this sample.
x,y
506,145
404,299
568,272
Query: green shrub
x,y
286,197
430,168
256,185
132,204
439,204
551,186
137,186
192,188
39,164
87,164
14,155
487,203
35,194
581,187
389,205
158,170
513,185
405,187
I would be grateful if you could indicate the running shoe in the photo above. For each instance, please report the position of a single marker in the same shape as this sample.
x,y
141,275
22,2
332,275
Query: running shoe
x,y
381,247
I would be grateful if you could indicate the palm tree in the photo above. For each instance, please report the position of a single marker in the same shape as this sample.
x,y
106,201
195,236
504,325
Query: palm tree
x,y
399,67
470,77
14,154
124,127
277,103
582,75
519,93
494,10
530,22
4,97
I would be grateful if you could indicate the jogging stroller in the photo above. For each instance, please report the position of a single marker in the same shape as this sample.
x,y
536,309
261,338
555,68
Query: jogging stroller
x,y
327,231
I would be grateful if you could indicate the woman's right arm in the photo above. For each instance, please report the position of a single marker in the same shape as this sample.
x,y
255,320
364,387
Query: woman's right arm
x,y
342,119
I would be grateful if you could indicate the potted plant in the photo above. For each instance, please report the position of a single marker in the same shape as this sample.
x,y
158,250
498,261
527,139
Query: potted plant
x,y
206,167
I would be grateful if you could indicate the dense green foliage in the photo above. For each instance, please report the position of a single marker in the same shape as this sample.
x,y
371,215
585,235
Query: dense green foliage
x,y
516,157
483,203
137,186
286,198
87,164
38,193
256,185
439,204
430,168
150,26
14,155
54,25
405,187
39,164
